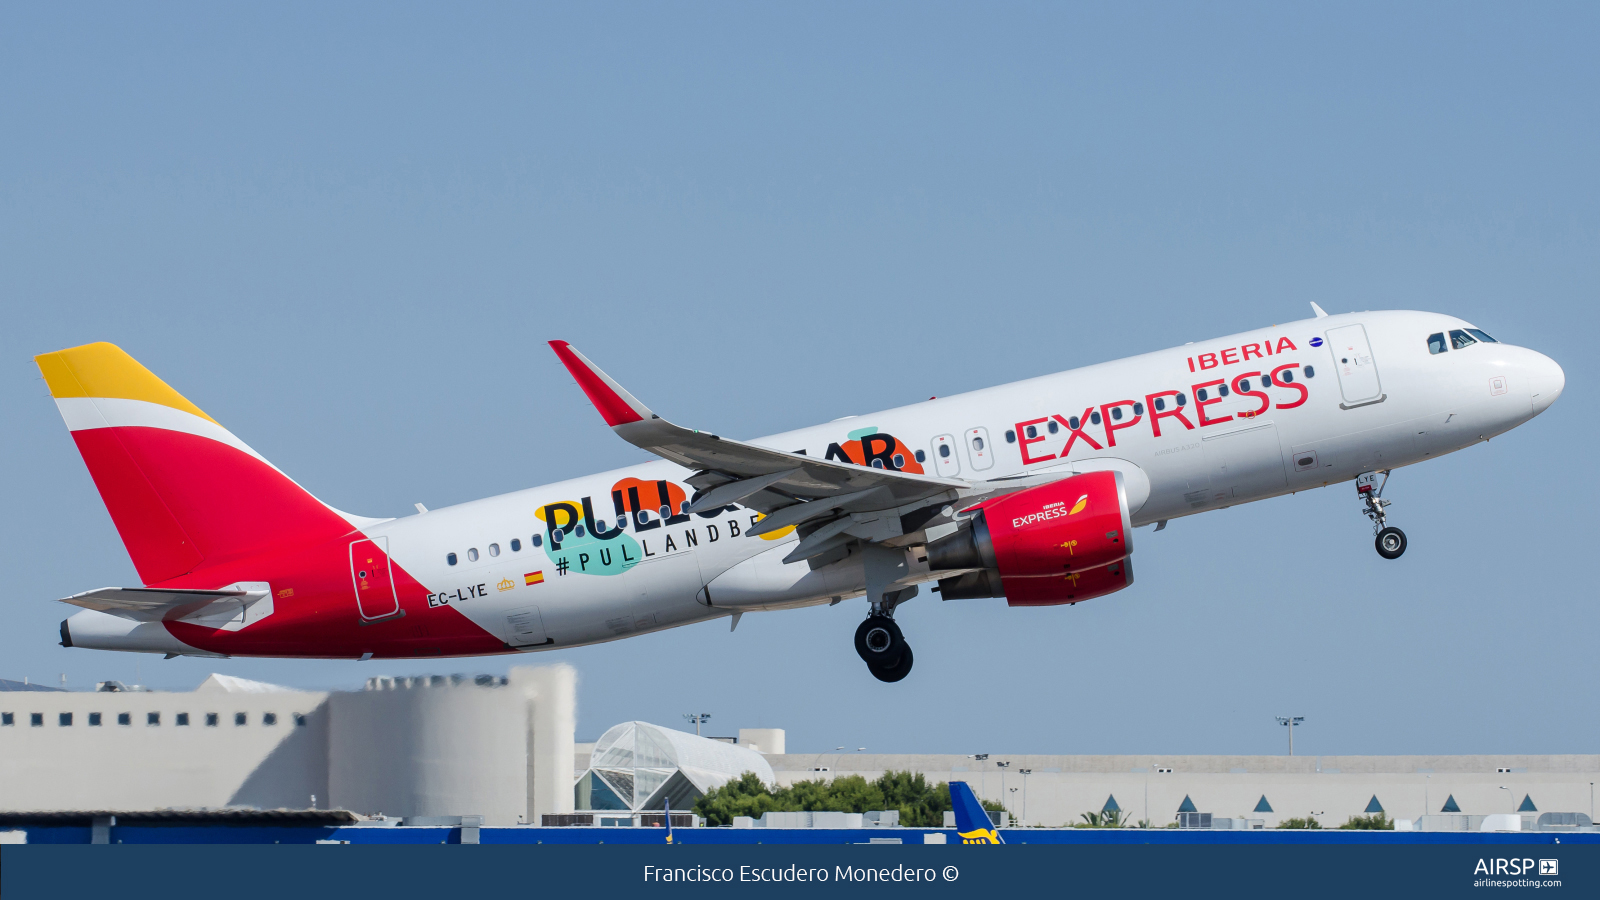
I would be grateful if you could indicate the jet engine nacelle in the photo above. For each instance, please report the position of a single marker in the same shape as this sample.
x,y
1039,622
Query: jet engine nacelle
x,y
1061,542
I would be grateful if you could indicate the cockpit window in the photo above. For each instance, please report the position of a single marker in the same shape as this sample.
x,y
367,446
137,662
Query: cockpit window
x,y
1481,335
1460,339
1436,343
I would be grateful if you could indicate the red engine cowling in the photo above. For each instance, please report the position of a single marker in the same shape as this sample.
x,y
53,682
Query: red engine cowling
x,y
1057,543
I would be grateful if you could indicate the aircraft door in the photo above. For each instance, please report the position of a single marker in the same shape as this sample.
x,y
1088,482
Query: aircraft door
x,y
979,453
374,579
1352,359
945,460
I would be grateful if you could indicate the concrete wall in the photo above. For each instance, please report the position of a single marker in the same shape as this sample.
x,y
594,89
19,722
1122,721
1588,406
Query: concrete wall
x,y
1332,787
144,766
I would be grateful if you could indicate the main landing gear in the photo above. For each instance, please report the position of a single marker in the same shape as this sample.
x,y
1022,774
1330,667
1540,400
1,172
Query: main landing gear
x,y
878,639
1390,541
883,648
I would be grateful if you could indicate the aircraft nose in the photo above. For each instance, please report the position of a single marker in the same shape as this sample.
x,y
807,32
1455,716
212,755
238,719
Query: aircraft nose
x,y
1546,381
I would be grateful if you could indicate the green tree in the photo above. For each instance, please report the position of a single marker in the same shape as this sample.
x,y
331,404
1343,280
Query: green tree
x,y
921,805
1376,822
1308,822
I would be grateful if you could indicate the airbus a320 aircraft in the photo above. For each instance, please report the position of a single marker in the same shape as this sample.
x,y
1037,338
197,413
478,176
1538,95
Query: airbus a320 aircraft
x,y
1029,491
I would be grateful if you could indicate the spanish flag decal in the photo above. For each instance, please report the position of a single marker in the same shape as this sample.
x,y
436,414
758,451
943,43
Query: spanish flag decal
x,y
533,578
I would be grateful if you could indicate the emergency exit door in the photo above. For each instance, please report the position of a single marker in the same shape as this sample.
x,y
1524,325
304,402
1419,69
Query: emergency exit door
x,y
374,579
1352,359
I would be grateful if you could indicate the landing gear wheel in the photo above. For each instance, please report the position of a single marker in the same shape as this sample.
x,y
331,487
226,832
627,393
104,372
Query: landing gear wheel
x,y
879,642
897,671
1391,543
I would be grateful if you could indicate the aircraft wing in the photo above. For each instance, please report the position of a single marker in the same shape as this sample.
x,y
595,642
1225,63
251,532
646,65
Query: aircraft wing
x,y
160,604
790,488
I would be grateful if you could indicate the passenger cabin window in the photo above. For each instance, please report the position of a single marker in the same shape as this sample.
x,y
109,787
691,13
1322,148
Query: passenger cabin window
x,y
450,558
1436,343
1011,436
977,443
1138,409
1244,385
1482,336
1095,418
538,539
1182,399
1222,390
1201,393
1460,340
1054,426
1116,413
516,545
1073,423
944,451
494,549
922,457
1160,403
1033,432
472,554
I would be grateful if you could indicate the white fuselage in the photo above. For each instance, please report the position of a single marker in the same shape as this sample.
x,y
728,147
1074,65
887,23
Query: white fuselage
x,y
1339,417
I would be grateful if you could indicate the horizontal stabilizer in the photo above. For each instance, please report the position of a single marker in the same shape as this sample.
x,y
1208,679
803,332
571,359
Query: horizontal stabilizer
x,y
164,605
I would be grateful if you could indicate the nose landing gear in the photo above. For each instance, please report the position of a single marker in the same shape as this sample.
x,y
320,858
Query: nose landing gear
x,y
1390,541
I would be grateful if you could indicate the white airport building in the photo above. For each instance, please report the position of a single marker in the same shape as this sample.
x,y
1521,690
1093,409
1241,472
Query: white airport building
x,y
504,748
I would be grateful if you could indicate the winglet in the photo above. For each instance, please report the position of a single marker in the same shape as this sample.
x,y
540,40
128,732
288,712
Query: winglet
x,y
972,820
1318,310
616,405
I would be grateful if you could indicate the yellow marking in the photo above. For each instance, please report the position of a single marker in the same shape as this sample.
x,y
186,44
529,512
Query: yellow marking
x,y
774,535
285,593
505,584
1068,547
104,370
979,836
1078,507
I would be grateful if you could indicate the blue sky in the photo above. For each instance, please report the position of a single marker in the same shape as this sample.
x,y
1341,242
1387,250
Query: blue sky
x,y
346,231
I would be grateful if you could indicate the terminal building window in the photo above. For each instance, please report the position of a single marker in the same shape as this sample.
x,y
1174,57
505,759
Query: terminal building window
x,y
269,718
124,718
152,718
65,719
240,718
94,718
183,718
299,720
36,720
211,720
8,718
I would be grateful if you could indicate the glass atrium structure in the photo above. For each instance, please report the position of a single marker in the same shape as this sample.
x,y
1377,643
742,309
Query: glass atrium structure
x,y
638,766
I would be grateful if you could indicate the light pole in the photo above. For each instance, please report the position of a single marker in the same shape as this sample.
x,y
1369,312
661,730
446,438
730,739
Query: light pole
x,y
1003,767
1025,774
1508,792
1290,722
697,719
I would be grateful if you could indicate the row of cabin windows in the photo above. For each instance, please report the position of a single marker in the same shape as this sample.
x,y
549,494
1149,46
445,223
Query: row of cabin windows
x,y
1160,404
64,720
642,517
1460,339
